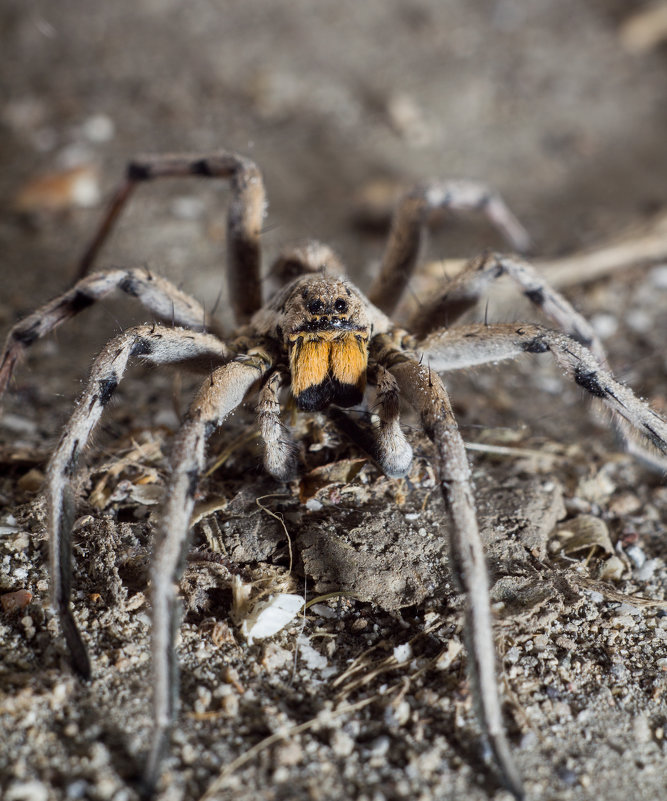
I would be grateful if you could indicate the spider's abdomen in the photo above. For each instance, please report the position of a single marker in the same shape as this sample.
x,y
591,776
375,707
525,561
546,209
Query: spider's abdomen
x,y
328,366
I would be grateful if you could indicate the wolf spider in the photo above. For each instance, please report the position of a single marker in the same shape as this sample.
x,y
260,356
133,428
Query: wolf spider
x,y
322,339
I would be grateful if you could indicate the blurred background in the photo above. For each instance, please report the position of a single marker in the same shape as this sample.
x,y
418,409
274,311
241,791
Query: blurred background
x,y
554,104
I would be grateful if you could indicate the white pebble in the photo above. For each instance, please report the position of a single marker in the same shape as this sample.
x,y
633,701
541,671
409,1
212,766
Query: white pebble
x,y
27,791
636,556
658,276
98,128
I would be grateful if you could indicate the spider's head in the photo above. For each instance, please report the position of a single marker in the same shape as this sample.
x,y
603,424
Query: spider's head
x,y
326,336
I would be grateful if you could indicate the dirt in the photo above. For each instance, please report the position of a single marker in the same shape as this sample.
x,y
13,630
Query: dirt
x,y
543,102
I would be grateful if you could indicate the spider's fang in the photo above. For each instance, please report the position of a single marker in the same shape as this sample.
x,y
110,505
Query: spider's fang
x,y
328,367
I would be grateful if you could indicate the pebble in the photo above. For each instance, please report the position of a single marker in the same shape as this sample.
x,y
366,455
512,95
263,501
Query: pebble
x,y
98,128
27,791
658,276
636,556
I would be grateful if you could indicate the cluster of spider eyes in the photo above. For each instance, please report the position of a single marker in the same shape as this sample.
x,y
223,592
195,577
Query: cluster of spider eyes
x,y
317,306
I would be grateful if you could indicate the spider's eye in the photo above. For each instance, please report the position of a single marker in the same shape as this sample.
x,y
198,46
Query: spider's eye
x,y
315,306
340,306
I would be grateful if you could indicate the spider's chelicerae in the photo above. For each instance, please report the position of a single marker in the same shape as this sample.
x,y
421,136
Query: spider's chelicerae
x,y
322,340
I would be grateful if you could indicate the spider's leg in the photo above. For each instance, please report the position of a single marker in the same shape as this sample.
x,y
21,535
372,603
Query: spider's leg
x,y
218,397
151,344
409,221
468,346
465,290
280,451
385,443
244,217
155,293
424,390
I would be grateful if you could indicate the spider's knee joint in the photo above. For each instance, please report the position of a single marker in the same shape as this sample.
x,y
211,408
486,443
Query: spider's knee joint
x,y
107,388
535,296
588,379
26,336
138,172
536,344
141,347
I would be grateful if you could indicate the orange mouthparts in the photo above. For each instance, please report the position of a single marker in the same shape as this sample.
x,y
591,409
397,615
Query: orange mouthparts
x,y
328,367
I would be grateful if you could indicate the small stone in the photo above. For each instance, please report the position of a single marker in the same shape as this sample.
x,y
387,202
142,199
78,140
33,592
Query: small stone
x,y
27,791
341,743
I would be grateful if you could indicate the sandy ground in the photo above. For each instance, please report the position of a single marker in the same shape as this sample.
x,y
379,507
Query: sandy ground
x,y
541,100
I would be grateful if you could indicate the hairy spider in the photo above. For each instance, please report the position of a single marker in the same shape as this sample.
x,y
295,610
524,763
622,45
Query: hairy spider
x,y
322,339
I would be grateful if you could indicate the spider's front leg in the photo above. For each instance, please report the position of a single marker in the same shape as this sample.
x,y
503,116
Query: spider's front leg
x,y
465,290
244,217
473,345
152,344
424,390
218,397
156,294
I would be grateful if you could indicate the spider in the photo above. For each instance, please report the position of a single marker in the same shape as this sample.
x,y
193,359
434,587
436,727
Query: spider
x,y
322,340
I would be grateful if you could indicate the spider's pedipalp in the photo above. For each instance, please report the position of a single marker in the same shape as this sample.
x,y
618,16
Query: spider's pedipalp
x,y
468,346
392,452
217,398
280,450
156,294
424,390
464,291
153,344
384,442
409,221
244,217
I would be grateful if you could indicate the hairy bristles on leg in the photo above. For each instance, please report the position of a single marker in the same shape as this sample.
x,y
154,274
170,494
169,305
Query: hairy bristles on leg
x,y
153,344
218,396
244,216
156,294
402,251
424,390
465,290
472,345
280,451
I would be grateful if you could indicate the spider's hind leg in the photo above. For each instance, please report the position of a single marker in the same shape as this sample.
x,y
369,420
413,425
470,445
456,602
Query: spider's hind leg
x,y
409,221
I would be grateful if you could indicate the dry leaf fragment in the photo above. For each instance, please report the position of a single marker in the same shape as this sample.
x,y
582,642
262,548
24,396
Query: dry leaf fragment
x,y
583,533
57,191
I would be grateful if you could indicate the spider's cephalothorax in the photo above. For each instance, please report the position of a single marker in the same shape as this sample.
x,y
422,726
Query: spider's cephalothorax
x,y
332,340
